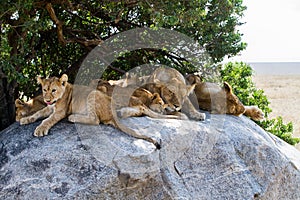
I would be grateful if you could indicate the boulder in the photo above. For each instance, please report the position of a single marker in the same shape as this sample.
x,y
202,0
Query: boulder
x,y
225,157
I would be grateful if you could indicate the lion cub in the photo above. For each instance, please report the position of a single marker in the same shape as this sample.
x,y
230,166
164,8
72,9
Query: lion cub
x,y
60,96
24,109
221,100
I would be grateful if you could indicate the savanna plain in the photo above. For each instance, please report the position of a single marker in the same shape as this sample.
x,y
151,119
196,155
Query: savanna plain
x,y
283,92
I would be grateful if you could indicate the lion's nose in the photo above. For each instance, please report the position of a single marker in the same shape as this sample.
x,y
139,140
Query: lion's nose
x,y
177,108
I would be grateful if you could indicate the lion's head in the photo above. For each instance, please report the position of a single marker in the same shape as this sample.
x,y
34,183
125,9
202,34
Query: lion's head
x,y
172,87
24,109
233,105
172,101
157,104
53,88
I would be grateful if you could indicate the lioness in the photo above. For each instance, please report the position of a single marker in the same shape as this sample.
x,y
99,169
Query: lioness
x,y
221,100
24,109
174,91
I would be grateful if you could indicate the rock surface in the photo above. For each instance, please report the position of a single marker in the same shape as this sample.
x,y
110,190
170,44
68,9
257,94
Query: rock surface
x,y
225,157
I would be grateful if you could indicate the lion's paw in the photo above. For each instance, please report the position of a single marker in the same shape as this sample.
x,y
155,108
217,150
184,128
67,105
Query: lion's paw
x,y
198,116
128,112
41,131
183,116
254,113
72,118
258,115
26,120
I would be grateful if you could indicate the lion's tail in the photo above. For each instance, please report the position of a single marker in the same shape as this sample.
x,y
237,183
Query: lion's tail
x,y
135,134
132,132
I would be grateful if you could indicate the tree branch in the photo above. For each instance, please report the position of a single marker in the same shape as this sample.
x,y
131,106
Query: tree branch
x,y
58,23
121,71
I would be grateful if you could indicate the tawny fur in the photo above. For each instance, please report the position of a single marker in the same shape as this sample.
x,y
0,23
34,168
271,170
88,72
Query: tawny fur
x,y
24,109
171,86
174,91
140,99
221,100
129,80
254,113
80,104
62,97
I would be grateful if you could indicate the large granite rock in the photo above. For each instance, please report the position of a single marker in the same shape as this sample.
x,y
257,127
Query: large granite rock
x,y
225,157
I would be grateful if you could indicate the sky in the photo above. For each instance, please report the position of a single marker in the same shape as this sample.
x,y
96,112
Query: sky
x,y
272,31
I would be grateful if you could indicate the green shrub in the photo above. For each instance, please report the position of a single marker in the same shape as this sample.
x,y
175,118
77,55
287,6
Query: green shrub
x,y
239,76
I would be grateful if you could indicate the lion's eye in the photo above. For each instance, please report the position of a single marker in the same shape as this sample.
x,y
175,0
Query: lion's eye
x,y
44,90
54,90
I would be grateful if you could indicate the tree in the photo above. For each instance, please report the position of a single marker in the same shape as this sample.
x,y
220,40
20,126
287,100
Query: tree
x,y
54,36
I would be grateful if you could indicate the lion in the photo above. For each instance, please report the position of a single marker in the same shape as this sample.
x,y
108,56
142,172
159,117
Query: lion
x,y
152,104
174,90
24,109
167,83
80,104
139,97
221,100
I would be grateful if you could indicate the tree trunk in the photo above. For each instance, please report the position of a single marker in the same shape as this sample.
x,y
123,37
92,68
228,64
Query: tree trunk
x,y
7,107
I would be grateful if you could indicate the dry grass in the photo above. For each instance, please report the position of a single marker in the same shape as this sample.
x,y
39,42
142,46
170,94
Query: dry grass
x,y
283,92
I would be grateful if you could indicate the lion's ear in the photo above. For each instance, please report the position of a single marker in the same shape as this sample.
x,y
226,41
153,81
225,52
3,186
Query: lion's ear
x,y
19,103
63,79
102,89
40,80
155,96
227,87
193,78
190,78
190,89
